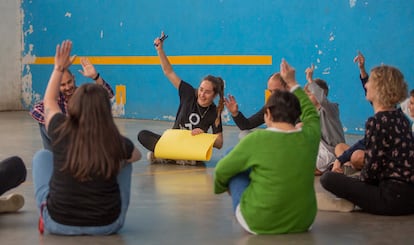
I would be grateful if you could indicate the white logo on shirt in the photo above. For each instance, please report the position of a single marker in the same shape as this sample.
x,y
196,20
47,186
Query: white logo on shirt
x,y
194,119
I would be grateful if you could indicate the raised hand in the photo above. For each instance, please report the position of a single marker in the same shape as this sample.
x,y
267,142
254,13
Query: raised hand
x,y
309,73
158,42
360,59
88,70
62,55
231,105
287,72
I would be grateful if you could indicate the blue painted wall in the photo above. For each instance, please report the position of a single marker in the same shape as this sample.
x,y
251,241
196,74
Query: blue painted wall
x,y
323,32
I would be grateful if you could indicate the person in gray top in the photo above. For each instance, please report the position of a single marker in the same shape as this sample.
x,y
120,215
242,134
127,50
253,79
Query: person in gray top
x,y
332,132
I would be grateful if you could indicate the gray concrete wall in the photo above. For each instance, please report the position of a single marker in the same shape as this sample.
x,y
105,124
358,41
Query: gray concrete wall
x,y
10,55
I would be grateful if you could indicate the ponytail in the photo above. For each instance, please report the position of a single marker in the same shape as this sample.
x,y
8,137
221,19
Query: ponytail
x,y
218,85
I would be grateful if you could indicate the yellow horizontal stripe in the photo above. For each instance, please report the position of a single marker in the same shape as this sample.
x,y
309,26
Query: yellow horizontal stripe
x,y
175,60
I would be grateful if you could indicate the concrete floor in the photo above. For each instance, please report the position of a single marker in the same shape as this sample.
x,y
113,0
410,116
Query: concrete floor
x,y
173,204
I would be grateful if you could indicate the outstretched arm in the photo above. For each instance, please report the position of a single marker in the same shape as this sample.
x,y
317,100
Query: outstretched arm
x,y
62,62
165,63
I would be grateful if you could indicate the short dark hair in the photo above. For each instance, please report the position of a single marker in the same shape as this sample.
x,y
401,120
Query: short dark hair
x,y
323,85
283,107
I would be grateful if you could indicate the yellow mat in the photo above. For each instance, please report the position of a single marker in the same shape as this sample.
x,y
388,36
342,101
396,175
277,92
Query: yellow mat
x,y
179,144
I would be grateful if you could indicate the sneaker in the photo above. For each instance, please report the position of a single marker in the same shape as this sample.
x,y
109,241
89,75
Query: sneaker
x,y
151,157
153,160
328,202
186,162
11,203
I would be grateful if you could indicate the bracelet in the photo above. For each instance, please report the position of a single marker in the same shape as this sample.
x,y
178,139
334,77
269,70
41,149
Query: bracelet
x,y
97,76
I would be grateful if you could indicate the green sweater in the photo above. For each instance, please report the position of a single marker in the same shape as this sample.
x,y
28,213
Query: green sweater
x,y
280,197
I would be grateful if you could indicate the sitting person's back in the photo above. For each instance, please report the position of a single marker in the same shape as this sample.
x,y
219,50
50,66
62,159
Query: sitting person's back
x,y
273,191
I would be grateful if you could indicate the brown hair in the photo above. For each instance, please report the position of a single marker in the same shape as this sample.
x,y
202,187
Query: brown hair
x,y
95,147
390,85
218,87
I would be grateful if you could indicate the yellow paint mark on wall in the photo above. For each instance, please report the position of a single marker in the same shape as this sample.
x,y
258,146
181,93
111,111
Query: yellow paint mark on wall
x,y
267,95
177,60
120,94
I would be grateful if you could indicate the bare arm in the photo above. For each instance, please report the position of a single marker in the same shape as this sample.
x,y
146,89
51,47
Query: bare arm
x,y
62,62
219,141
165,63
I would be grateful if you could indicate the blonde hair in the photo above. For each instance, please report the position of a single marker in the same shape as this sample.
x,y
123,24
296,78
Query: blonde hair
x,y
390,85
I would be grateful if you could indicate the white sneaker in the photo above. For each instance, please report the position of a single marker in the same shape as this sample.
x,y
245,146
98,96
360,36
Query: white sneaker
x,y
151,157
186,162
153,160
11,203
327,202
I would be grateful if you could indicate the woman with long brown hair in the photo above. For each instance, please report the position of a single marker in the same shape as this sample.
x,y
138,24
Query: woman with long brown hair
x,y
83,185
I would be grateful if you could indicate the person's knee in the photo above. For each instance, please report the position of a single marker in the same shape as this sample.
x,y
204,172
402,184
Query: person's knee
x,y
340,148
142,135
41,156
357,159
16,168
326,179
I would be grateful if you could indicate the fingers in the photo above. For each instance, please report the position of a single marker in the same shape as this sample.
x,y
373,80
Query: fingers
x,y
72,59
196,131
85,61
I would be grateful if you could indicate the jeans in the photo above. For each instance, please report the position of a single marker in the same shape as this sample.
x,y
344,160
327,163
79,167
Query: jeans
x,y
12,173
237,185
42,172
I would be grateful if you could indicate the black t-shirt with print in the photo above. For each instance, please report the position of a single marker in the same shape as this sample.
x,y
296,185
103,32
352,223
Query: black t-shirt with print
x,y
190,115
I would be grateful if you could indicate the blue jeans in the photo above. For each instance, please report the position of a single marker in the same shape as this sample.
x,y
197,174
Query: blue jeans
x,y
237,185
42,172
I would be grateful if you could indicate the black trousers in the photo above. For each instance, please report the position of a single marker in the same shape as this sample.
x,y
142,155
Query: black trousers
x,y
12,173
390,197
148,139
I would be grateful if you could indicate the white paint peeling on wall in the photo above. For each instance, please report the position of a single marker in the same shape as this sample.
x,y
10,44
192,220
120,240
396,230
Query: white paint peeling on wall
x,y
352,3
27,87
169,118
68,14
331,37
225,116
118,110
28,95
102,34
121,24
326,71
320,52
318,60
29,58
29,31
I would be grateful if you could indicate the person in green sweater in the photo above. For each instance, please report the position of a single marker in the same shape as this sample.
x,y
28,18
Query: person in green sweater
x,y
273,191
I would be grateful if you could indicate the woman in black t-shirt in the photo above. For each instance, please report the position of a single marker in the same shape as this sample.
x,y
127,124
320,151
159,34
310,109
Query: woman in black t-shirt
x,y
196,112
83,186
